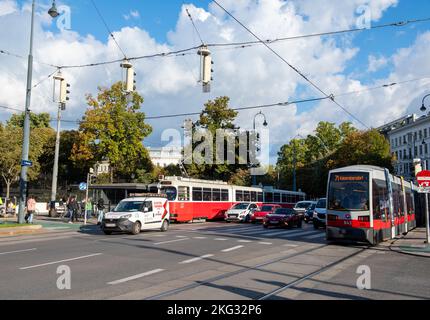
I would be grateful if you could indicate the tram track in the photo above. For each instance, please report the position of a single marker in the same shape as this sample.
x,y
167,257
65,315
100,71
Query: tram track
x,y
257,267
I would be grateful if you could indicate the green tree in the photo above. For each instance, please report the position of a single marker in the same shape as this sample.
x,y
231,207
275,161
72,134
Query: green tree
x,y
11,139
113,129
37,120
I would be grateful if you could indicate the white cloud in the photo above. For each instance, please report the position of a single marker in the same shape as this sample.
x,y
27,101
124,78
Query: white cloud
x,y
132,14
376,63
7,7
250,76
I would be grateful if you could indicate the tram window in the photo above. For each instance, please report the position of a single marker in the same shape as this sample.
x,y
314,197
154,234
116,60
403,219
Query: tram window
x,y
260,197
277,197
253,196
239,195
171,193
380,201
284,198
197,194
398,204
246,196
409,202
216,194
269,197
349,191
183,193
207,194
224,195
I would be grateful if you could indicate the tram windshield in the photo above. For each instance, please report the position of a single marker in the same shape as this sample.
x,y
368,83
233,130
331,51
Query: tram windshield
x,y
171,193
348,191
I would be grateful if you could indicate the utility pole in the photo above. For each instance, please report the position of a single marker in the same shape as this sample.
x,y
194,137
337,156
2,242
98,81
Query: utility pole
x,y
294,170
89,175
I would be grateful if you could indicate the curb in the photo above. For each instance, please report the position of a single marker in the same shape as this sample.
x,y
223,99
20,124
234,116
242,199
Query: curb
x,y
13,231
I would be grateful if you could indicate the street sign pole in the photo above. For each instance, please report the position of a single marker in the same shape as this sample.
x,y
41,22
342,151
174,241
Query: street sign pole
x,y
427,220
86,198
423,180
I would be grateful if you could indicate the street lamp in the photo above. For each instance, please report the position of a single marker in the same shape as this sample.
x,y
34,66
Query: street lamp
x,y
23,183
265,124
423,107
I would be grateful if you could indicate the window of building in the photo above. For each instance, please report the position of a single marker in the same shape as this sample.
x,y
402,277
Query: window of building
x,y
421,134
400,155
426,148
425,133
421,149
415,151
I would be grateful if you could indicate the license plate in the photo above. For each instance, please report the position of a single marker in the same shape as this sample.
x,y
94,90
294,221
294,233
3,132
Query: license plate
x,y
110,225
274,222
259,218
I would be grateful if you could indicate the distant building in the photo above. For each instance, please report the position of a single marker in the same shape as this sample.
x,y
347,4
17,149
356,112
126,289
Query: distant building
x,y
163,157
102,167
409,139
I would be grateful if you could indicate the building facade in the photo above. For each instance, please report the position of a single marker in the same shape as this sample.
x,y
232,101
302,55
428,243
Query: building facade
x,y
163,157
409,139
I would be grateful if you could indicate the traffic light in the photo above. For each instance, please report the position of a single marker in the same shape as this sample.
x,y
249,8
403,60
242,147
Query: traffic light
x,y
64,90
130,82
206,64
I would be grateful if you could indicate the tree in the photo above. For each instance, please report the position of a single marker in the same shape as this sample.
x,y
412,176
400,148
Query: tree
x,y
11,139
40,120
113,129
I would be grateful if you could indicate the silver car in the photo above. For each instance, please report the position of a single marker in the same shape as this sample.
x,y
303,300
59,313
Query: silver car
x,y
241,212
320,213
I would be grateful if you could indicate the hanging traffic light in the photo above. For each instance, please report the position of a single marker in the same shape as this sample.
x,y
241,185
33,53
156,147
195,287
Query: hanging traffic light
x,y
64,92
206,68
130,82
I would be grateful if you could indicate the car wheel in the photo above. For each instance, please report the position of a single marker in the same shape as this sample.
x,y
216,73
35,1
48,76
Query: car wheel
x,y
165,226
136,228
226,221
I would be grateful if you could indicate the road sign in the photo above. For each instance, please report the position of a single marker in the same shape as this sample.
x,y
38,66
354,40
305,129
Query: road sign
x,y
26,163
83,186
423,180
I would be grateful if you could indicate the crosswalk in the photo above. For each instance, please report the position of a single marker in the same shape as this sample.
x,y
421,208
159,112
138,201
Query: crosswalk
x,y
257,231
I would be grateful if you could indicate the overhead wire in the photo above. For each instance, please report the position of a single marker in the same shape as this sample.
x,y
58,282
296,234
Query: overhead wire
x,y
331,97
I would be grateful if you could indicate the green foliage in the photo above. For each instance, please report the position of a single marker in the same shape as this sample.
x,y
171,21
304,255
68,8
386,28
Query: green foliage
x,y
40,120
113,129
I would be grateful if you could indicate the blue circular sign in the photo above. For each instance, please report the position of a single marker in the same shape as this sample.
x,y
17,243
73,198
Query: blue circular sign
x,y
83,186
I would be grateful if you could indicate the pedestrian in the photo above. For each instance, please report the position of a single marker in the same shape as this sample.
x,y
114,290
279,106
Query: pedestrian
x,y
88,207
100,209
73,209
31,209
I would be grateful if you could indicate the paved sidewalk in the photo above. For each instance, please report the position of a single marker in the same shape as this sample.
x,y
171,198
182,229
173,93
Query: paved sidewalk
x,y
413,243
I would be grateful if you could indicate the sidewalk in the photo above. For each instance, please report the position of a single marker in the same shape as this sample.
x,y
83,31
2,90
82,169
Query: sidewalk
x,y
413,243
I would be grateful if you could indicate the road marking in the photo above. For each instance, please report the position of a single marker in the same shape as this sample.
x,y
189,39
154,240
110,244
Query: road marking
x,y
303,233
196,259
231,249
320,235
291,245
58,228
244,241
60,261
220,239
137,276
18,251
267,243
159,235
200,238
170,241
181,237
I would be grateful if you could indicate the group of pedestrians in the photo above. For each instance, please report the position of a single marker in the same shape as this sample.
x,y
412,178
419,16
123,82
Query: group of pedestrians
x,y
73,209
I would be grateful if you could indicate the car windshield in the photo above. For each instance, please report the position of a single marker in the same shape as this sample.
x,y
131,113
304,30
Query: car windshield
x,y
302,205
284,211
349,191
312,206
266,208
240,206
322,203
129,206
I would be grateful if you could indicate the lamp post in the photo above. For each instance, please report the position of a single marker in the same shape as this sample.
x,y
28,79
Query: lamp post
x,y
426,214
265,123
23,183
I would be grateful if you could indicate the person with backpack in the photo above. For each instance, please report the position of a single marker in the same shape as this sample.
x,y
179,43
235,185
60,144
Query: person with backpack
x,y
31,209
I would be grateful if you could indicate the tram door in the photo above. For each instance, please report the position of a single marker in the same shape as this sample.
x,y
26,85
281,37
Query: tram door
x,y
391,204
405,207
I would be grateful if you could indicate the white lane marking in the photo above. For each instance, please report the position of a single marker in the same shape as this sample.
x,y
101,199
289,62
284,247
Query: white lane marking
x,y
196,259
291,245
137,276
181,237
159,235
241,230
60,261
266,243
244,241
231,249
320,235
220,239
200,238
17,251
303,233
170,241
58,228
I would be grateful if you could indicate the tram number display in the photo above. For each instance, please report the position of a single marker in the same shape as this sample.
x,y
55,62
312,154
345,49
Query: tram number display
x,y
350,178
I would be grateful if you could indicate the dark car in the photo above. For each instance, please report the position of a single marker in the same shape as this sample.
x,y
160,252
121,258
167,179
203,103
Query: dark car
x,y
283,217
309,213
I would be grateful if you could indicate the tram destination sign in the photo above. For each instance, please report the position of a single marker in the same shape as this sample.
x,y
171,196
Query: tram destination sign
x,y
423,180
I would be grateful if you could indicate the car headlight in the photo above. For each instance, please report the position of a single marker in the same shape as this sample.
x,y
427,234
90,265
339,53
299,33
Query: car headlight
x,y
127,216
315,214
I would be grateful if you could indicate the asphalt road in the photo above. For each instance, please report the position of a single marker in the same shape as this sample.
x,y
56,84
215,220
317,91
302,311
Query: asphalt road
x,y
208,261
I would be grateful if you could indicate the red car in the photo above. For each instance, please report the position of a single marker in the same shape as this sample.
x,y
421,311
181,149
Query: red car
x,y
266,209
283,217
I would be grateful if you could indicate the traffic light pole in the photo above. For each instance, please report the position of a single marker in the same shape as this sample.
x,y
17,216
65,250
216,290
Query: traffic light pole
x,y
52,210
23,183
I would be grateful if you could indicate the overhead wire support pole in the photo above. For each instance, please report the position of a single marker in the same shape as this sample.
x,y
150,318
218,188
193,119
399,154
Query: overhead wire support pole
x,y
291,66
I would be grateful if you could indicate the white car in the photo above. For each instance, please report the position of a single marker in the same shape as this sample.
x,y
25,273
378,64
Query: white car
x,y
145,212
241,212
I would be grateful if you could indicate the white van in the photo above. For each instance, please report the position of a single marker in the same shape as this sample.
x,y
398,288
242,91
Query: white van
x,y
142,212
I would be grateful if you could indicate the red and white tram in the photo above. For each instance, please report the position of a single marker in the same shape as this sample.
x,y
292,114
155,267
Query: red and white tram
x,y
368,204
192,199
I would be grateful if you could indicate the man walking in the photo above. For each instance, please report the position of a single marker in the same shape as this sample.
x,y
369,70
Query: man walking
x,y
31,208
73,209
100,209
